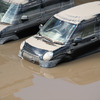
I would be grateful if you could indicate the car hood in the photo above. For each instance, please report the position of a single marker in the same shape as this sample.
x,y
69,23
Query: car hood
x,y
3,26
38,43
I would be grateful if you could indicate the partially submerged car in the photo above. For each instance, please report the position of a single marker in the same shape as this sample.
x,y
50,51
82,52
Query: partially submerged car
x,y
16,15
66,35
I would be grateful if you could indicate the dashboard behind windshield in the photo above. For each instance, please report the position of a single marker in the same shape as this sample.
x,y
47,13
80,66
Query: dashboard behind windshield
x,y
57,30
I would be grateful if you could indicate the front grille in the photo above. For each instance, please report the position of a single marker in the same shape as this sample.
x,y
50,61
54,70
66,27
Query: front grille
x,y
30,57
29,48
33,50
32,53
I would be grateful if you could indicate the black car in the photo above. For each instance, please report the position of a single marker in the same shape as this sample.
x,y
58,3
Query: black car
x,y
66,35
17,15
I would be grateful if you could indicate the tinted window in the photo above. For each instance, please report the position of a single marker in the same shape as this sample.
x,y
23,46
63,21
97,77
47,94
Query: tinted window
x,y
30,6
32,10
97,26
78,32
65,0
88,30
50,2
51,7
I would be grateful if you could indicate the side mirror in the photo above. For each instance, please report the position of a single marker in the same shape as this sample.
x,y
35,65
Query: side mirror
x,y
24,18
40,26
77,40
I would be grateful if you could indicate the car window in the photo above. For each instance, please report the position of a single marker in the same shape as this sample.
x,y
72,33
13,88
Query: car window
x,y
50,2
30,3
51,6
34,8
30,6
64,1
32,11
10,14
88,30
97,26
78,32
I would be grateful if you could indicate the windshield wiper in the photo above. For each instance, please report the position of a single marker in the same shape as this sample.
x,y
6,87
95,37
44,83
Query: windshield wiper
x,y
4,23
44,38
57,42
47,38
37,36
53,42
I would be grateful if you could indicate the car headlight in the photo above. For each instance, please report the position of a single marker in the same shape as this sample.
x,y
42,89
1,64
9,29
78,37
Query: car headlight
x,y
48,56
22,45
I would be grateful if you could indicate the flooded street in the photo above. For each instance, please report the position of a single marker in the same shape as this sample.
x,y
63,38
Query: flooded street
x,y
22,80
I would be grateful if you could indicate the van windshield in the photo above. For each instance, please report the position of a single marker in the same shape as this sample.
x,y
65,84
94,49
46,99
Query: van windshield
x,y
7,12
57,30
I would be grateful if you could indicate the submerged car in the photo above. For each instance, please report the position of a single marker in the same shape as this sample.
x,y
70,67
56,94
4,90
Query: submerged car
x,y
16,15
66,35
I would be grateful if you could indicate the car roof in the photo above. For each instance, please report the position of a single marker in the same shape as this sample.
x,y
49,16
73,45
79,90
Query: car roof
x,y
78,13
17,1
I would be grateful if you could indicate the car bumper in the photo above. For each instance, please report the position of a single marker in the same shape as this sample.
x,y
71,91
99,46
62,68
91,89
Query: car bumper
x,y
35,59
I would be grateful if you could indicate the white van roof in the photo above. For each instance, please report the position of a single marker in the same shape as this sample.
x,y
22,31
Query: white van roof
x,y
17,1
82,12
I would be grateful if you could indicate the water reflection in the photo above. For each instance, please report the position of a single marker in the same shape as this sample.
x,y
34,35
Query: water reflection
x,y
16,74
13,77
82,71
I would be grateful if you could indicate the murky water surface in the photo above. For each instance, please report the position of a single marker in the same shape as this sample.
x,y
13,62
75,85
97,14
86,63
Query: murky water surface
x,y
22,80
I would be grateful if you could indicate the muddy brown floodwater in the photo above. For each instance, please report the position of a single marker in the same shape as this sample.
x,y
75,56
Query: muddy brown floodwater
x,y
22,80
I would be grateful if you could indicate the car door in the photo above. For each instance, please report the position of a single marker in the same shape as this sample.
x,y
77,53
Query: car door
x,y
31,14
89,39
50,7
